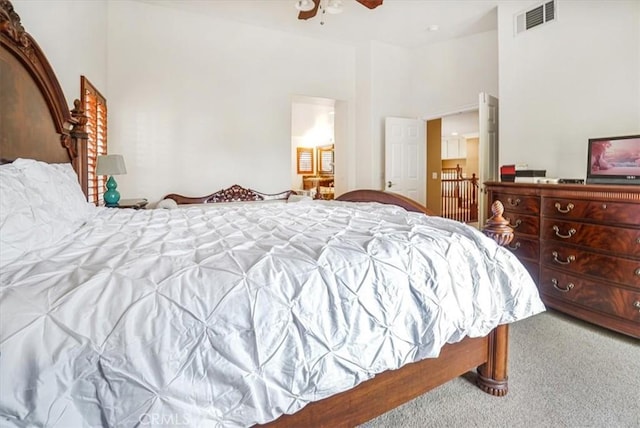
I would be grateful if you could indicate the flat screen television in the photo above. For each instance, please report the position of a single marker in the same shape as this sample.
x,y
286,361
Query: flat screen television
x,y
614,160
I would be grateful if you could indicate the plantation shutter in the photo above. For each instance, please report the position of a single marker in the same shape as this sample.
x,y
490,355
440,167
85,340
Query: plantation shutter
x,y
95,107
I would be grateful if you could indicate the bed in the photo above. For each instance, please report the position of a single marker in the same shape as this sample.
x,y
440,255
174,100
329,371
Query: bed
x,y
107,322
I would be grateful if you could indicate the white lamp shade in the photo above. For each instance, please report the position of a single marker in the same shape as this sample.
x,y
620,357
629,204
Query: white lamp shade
x,y
110,165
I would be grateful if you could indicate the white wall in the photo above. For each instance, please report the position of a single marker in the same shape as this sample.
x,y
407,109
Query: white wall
x,y
73,36
566,81
362,150
230,120
197,104
449,75
392,95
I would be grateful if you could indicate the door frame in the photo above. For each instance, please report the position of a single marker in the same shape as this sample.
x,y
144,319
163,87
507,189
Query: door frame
x,y
482,203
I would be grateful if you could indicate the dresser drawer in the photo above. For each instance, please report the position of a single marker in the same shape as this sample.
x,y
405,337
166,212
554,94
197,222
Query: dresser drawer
x,y
605,298
525,248
600,211
522,223
607,238
578,261
518,203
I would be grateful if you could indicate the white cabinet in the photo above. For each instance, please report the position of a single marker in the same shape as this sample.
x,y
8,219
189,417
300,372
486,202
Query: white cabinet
x,y
454,148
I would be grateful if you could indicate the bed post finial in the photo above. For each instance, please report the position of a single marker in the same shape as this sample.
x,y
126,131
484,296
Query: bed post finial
x,y
77,142
497,227
80,122
492,376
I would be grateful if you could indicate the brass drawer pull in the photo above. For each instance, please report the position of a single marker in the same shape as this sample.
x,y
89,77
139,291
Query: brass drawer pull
x,y
514,226
570,259
570,206
637,272
515,247
564,290
514,203
557,230
636,304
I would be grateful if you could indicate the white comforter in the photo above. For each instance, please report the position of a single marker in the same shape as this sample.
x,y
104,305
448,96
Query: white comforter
x,y
233,316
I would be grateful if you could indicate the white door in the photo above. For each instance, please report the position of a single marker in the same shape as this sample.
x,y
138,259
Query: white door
x,y
406,158
488,149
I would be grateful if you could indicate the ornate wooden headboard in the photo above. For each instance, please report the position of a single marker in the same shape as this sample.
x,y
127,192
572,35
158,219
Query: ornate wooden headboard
x,y
35,120
235,193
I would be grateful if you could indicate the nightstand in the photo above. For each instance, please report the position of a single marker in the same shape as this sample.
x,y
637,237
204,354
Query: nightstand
x,y
136,204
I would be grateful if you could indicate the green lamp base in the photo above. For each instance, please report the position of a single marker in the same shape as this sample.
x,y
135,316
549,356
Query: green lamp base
x,y
111,196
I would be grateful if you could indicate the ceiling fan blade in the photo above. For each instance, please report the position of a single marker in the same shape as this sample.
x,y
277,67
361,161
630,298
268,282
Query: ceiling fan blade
x,y
311,13
371,4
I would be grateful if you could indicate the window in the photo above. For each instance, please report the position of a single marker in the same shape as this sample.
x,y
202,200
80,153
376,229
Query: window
x,y
325,160
305,160
95,107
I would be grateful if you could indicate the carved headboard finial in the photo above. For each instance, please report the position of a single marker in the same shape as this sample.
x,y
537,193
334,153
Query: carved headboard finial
x,y
23,47
234,193
497,227
10,24
79,117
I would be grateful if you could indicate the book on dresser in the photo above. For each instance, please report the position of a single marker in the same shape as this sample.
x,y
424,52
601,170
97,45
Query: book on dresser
x,y
581,244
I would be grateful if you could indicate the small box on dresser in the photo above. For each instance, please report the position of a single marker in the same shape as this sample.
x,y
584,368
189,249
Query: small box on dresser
x,y
589,247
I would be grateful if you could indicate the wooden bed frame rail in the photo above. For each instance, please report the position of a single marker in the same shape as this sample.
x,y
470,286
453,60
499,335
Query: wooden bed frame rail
x,y
393,388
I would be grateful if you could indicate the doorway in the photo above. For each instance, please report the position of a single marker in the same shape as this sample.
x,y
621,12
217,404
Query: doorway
x,y
469,139
453,165
313,146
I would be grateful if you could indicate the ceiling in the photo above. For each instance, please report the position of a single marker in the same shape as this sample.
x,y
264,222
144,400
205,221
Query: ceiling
x,y
398,22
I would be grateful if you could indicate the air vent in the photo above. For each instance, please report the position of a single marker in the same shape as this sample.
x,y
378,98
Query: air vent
x,y
535,16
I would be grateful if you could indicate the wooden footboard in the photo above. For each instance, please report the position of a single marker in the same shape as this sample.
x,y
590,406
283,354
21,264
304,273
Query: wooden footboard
x,y
367,195
392,388
497,227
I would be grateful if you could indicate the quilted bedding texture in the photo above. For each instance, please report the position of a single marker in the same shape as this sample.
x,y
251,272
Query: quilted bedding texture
x,y
231,316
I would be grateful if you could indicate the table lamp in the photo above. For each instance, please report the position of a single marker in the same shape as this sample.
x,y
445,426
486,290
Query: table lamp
x,y
111,165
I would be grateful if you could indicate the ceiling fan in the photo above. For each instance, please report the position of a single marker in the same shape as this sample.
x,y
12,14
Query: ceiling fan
x,y
309,8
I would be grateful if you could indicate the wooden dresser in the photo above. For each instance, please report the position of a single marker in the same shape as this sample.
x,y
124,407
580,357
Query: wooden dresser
x,y
581,244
